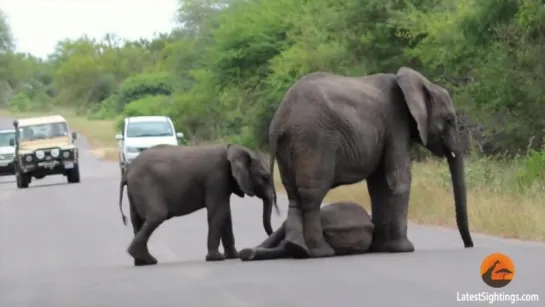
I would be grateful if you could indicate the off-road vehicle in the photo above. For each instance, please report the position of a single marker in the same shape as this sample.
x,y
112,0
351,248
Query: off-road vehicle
x,y
43,147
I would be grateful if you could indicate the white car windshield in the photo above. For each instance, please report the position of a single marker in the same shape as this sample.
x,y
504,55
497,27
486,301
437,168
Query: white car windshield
x,y
150,129
44,131
5,137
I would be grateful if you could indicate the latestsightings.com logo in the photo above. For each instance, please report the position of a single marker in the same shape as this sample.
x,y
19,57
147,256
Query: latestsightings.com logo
x,y
497,271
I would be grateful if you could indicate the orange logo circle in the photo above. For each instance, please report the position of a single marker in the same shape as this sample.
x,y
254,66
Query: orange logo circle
x,y
497,270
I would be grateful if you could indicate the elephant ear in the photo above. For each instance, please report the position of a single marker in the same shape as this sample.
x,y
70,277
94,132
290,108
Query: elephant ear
x,y
240,161
415,90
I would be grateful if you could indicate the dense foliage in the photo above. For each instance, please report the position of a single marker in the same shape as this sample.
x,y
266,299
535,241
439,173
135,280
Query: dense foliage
x,y
224,69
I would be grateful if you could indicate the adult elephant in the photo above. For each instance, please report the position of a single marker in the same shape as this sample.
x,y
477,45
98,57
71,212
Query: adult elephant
x,y
165,181
332,130
346,225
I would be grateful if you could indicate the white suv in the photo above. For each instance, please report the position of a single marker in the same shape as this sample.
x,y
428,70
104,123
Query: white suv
x,y
141,132
7,152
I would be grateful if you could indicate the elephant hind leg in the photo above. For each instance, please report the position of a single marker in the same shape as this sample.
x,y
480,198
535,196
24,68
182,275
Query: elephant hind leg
x,y
312,224
136,220
275,238
272,248
137,223
262,253
157,214
314,174
138,248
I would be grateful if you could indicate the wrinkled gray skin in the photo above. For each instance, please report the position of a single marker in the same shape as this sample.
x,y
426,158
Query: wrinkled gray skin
x,y
333,130
347,228
165,181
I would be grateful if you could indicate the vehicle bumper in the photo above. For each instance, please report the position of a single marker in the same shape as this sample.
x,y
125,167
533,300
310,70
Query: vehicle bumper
x,y
49,167
129,157
6,168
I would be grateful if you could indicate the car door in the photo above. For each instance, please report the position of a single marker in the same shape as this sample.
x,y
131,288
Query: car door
x,y
121,142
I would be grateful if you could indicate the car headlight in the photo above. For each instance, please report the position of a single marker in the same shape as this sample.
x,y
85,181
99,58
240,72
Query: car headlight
x,y
40,154
131,150
2,157
55,153
28,158
66,154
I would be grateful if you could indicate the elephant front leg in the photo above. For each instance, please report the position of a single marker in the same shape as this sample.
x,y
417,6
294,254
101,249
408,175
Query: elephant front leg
x,y
228,239
389,192
217,217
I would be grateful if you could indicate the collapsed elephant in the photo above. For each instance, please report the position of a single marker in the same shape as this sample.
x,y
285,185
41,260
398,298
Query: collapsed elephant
x,y
165,181
347,228
331,130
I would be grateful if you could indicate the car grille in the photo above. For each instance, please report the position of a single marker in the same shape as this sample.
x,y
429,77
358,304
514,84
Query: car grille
x,y
47,153
7,156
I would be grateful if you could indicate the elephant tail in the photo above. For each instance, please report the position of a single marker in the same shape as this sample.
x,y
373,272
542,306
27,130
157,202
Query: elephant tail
x,y
272,155
122,184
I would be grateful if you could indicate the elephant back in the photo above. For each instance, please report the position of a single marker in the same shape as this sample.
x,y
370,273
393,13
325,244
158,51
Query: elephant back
x,y
347,227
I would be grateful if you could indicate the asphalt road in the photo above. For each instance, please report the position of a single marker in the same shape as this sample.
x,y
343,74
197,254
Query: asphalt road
x,y
64,245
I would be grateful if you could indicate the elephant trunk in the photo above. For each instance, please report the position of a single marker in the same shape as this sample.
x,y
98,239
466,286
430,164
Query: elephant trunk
x,y
456,166
268,202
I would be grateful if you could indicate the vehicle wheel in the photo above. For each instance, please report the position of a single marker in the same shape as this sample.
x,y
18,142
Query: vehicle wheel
x,y
22,180
73,175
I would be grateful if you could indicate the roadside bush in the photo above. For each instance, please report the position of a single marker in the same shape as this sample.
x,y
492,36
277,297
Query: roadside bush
x,y
106,109
20,102
139,86
532,170
147,105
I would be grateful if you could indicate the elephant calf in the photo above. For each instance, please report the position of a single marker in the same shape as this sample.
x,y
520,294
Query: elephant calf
x,y
165,181
347,228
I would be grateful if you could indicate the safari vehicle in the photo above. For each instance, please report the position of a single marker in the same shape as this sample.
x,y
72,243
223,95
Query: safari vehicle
x,y
7,152
141,132
44,147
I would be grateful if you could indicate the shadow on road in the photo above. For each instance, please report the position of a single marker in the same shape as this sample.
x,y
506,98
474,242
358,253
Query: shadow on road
x,y
45,185
7,181
31,186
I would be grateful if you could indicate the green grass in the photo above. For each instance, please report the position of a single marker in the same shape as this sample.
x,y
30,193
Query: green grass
x,y
497,204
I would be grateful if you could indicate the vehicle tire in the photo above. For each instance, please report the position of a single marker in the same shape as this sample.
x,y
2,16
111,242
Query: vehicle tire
x,y
22,180
73,175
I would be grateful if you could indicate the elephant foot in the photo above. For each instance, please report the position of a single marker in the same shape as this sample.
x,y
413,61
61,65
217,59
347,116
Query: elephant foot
x,y
142,262
323,250
401,245
231,253
214,256
247,254
141,258
296,249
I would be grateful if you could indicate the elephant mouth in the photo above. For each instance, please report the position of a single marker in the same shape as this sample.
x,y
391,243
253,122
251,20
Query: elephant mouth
x,y
447,152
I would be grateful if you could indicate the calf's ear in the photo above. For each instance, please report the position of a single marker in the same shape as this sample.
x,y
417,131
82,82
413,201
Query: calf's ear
x,y
240,161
